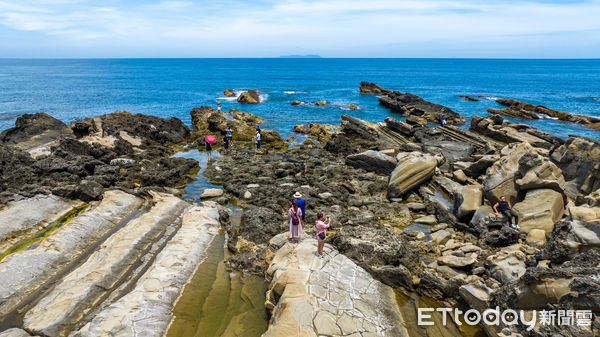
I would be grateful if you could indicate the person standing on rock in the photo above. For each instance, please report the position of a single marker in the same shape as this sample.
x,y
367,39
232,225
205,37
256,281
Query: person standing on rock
x,y
504,207
301,204
321,232
226,145
219,106
208,149
296,223
257,138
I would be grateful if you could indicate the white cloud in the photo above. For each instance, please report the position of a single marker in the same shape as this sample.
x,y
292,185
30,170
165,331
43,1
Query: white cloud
x,y
321,26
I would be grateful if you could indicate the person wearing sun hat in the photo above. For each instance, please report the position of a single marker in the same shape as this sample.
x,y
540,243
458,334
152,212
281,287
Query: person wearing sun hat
x,y
301,203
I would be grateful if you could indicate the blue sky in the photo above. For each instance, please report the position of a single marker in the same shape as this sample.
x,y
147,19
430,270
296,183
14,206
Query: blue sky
x,y
331,28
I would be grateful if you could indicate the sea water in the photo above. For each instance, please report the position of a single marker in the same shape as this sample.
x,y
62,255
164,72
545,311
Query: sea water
x,y
71,89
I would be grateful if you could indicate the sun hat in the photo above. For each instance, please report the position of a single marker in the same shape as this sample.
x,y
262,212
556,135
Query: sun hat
x,y
297,195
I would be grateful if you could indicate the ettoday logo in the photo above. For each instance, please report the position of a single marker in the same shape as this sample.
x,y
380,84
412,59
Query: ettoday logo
x,y
508,317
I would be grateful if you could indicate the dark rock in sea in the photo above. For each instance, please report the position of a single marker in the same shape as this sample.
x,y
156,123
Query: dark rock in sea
x,y
514,112
372,161
249,97
530,111
296,102
34,129
372,88
302,128
384,253
469,98
229,93
413,105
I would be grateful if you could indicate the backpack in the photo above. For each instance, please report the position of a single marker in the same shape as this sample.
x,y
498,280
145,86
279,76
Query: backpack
x,y
295,219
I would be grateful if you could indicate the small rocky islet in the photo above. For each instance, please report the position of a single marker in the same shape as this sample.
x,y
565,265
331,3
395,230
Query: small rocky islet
x,y
96,239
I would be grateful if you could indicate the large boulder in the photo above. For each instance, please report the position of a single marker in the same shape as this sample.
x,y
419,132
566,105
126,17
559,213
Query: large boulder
x,y
516,107
398,126
500,177
540,209
39,127
387,255
373,161
584,234
258,225
507,265
467,200
249,97
372,88
538,172
413,105
501,130
579,160
414,168
207,120
229,93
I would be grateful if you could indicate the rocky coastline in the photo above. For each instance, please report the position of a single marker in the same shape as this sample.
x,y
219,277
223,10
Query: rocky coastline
x,y
411,206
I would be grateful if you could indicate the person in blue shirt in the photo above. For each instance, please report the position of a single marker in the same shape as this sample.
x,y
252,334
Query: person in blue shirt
x,y
301,204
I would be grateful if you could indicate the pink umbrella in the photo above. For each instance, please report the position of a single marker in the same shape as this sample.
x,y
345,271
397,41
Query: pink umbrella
x,y
210,139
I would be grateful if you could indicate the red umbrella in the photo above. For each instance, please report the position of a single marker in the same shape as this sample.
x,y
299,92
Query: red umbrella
x,y
210,139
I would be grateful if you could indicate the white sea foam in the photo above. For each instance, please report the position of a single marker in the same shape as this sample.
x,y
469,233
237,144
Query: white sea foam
x,y
227,98
491,98
544,116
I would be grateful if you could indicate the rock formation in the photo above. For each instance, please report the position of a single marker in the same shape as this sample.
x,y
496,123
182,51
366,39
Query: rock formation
x,y
414,106
249,97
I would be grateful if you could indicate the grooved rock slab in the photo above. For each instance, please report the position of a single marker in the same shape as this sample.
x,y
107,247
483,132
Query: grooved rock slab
x,y
24,271
83,288
330,296
26,216
373,161
146,310
540,210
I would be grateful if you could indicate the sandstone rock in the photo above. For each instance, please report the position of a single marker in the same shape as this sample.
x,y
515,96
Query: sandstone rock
x,y
296,102
500,177
416,121
321,103
372,88
519,113
540,209
354,126
538,172
229,93
331,296
584,234
353,106
456,261
413,169
536,237
45,260
579,160
441,237
467,200
398,126
14,332
507,265
146,309
477,296
211,193
499,129
413,105
69,300
460,176
479,167
372,161
469,98
427,220
249,97
584,214
416,206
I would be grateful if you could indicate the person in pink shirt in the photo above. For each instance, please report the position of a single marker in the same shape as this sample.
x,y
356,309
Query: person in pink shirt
x,y
296,222
321,232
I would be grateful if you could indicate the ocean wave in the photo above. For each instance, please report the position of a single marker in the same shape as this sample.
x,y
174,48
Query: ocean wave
x,y
225,98
291,92
544,116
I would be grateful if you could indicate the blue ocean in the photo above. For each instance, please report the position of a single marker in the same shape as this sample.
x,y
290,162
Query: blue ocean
x,y
71,89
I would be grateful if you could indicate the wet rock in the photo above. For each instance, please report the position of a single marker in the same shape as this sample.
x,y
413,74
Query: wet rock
x,y
515,112
413,105
372,88
353,106
469,98
296,102
229,93
540,209
32,130
249,97
384,253
372,161
413,169
321,103
516,107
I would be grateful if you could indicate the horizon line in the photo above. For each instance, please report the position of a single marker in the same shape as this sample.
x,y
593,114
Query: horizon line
x,y
301,58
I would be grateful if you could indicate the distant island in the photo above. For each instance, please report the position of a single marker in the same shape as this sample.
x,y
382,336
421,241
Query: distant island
x,y
307,56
